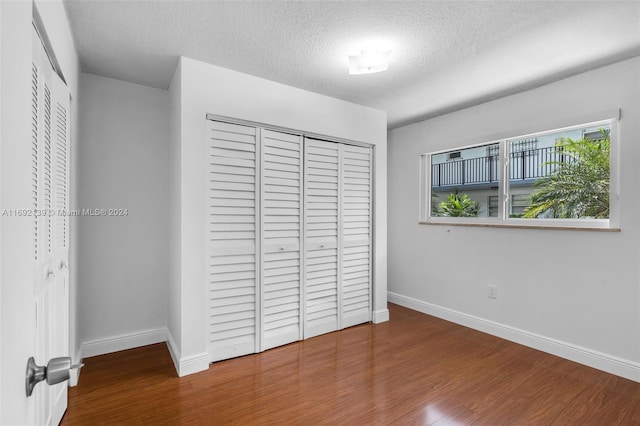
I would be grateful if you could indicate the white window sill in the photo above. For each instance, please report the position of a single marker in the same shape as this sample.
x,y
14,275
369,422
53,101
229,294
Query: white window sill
x,y
525,226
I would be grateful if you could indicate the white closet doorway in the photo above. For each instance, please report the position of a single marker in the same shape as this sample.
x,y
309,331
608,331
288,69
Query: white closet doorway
x,y
289,237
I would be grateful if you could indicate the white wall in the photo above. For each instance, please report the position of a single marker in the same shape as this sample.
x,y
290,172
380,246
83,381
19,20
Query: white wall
x,y
573,293
174,329
123,261
210,89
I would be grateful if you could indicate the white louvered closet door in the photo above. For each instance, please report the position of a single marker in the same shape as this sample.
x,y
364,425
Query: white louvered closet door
x,y
322,234
357,197
282,164
232,239
288,238
50,183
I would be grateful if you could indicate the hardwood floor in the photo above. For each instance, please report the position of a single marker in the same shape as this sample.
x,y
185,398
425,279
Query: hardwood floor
x,y
413,370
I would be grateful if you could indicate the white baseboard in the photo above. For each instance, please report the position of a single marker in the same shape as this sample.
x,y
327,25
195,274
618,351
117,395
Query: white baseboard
x,y
193,364
123,342
381,315
74,375
601,361
174,351
187,365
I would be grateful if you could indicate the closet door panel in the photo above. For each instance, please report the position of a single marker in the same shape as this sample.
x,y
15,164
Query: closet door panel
x,y
282,234
288,238
357,224
322,233
232,211
50,168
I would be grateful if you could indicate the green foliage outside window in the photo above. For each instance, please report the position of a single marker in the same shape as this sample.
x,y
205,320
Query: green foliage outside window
x,y
579,186
458,205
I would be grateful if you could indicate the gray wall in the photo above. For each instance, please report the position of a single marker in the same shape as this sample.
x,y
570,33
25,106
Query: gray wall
x,y
575,293
123,261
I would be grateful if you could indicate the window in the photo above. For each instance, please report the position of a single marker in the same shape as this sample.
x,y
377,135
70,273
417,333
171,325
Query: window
x,y
595,134
493,205
461,188
560,178
519,203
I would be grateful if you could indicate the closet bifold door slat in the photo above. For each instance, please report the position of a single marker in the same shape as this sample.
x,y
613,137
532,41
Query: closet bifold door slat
x,y
357,203
322,230
232,239
282,218
60,168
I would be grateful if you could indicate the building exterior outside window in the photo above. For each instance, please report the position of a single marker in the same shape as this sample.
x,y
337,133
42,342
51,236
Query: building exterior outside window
x,y
475,171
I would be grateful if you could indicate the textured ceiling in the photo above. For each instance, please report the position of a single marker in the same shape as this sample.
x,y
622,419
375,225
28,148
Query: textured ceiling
x,y
446,54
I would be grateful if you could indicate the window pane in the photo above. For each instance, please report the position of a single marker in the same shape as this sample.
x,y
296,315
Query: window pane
x,y
519,202
563,175
464,182
493,201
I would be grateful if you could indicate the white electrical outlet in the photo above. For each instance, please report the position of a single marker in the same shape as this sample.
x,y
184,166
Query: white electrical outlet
x,y
493,292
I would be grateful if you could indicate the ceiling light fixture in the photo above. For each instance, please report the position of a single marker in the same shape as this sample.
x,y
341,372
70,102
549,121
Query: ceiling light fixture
x,y
369,61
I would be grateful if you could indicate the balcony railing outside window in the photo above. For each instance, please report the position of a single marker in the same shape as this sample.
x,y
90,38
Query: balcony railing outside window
x,y
523,165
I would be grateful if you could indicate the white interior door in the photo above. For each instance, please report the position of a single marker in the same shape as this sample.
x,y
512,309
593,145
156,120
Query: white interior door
x,y
338,182
233,195
50,239
282,215
357,207
288,238
35,234
323,230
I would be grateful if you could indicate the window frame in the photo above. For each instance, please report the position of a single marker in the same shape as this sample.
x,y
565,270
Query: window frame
x,y
503,219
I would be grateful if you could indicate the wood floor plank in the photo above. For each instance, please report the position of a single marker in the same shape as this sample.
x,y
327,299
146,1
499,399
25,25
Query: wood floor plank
x,y
413,370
